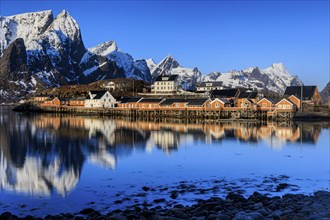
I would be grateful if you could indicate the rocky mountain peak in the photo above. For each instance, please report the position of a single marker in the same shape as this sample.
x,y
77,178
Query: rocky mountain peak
x,y
65,26
105,48
279,67
28,26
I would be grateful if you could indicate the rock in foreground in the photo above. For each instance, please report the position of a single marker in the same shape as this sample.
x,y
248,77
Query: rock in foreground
x,y
234,206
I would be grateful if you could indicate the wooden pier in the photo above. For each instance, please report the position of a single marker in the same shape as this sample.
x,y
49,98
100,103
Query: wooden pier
x,y
154,114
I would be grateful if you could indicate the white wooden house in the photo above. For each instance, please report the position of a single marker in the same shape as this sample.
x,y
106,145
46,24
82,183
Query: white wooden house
x,y
100,99
111,86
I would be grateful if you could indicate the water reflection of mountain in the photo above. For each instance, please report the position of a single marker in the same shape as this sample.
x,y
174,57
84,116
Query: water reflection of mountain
x,y
41,154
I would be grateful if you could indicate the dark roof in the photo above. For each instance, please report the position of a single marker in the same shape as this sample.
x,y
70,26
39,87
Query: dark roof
x,y
167,78
273,101
43,95
210,84
64,99
198,102
224,93
151,100
94,91
171,101
308,91
98,94
50,98
250,95
133,99
123,99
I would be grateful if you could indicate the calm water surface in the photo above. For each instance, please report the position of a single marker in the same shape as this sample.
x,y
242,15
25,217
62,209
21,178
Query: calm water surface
x,y
51,164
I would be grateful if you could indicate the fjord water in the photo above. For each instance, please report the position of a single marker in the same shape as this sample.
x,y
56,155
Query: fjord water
x,y
51,164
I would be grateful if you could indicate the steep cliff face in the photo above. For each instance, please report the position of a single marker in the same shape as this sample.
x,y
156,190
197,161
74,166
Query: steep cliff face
x,y
13,60
15,80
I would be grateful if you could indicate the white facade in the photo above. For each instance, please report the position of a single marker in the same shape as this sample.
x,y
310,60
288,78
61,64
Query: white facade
x,y
100,99
209,86
165,84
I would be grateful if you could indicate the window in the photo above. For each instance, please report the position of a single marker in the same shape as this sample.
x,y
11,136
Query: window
x,y
264,105
177,104
217,105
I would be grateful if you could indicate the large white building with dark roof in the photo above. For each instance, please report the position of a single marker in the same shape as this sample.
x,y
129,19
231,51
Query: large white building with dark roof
x,y
165,84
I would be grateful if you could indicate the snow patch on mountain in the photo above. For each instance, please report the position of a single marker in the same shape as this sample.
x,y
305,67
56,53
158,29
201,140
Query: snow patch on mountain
x,y
90,70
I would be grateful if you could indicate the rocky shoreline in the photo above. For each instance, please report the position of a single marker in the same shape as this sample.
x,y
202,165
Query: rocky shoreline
x,y
234,206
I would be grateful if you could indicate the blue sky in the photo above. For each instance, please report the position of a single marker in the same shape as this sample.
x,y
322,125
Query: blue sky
x,y
211,35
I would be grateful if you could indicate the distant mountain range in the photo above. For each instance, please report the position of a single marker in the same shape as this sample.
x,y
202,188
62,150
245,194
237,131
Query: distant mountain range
x,y
38,51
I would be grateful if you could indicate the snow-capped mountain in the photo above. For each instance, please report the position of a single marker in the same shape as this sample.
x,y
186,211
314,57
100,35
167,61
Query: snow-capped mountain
x,y
137,69
56,55
274,78
188,77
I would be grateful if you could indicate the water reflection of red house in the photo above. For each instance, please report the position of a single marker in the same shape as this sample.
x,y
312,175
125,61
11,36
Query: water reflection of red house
x,y
243,133
77,122
216,131
48,122
264,132
287,134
